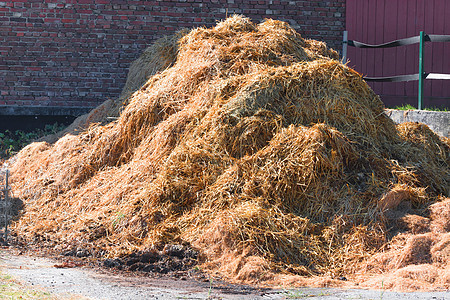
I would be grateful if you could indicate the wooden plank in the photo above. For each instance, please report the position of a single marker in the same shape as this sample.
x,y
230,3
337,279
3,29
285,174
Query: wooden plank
x,y
358,35
446,64
379,38
364,36
437,60
421,25
351,28
389,55
401,59
412,54
371,39
428,12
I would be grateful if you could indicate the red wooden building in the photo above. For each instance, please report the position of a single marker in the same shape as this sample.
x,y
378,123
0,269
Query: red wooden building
x,y
380,21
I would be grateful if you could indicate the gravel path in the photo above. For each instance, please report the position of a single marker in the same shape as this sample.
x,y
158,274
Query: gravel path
x,y
85,283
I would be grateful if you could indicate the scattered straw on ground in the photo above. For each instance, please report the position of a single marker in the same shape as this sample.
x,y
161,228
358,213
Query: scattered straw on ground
x,y
258,148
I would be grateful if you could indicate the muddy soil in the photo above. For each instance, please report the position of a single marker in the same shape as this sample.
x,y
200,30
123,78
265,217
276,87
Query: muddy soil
x,y
72,278
68,278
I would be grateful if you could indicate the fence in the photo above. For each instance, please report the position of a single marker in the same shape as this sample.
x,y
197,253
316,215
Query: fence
x,y
420,76
5,203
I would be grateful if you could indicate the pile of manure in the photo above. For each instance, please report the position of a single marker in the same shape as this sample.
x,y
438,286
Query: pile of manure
x,y
254,146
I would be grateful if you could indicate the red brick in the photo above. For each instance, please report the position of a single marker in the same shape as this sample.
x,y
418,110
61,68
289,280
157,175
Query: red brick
x,y
82,52
68,21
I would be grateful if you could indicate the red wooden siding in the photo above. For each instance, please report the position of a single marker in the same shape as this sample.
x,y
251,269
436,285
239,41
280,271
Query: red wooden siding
x,y
380,21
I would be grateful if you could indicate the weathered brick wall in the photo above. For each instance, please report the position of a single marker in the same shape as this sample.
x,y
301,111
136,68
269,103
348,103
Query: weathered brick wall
x,y
75,53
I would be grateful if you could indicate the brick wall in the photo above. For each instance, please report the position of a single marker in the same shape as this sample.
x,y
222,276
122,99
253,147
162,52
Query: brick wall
x,y
75,53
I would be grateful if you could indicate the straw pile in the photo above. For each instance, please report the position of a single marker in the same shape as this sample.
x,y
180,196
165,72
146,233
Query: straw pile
x,y
256,146
416,258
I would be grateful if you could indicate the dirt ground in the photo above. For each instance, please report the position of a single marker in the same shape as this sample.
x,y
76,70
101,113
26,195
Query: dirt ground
x,y
67,280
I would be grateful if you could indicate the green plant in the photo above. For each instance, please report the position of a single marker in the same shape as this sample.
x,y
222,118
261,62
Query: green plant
x,y
119,216
210,288
12,141
437,108
382,290
410,107
299,294
296,294
405,107
12,289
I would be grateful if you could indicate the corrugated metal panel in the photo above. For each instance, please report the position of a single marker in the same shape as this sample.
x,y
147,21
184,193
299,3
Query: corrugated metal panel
x,y
379,21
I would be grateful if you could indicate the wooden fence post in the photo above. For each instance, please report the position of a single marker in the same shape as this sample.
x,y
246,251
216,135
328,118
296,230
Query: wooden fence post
x,y
344,47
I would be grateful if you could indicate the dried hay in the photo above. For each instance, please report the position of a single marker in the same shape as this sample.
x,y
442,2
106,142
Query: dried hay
x,y
413,260
412,278
400,193
440,214
159,56
431,169
256,147
414,224
440,252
